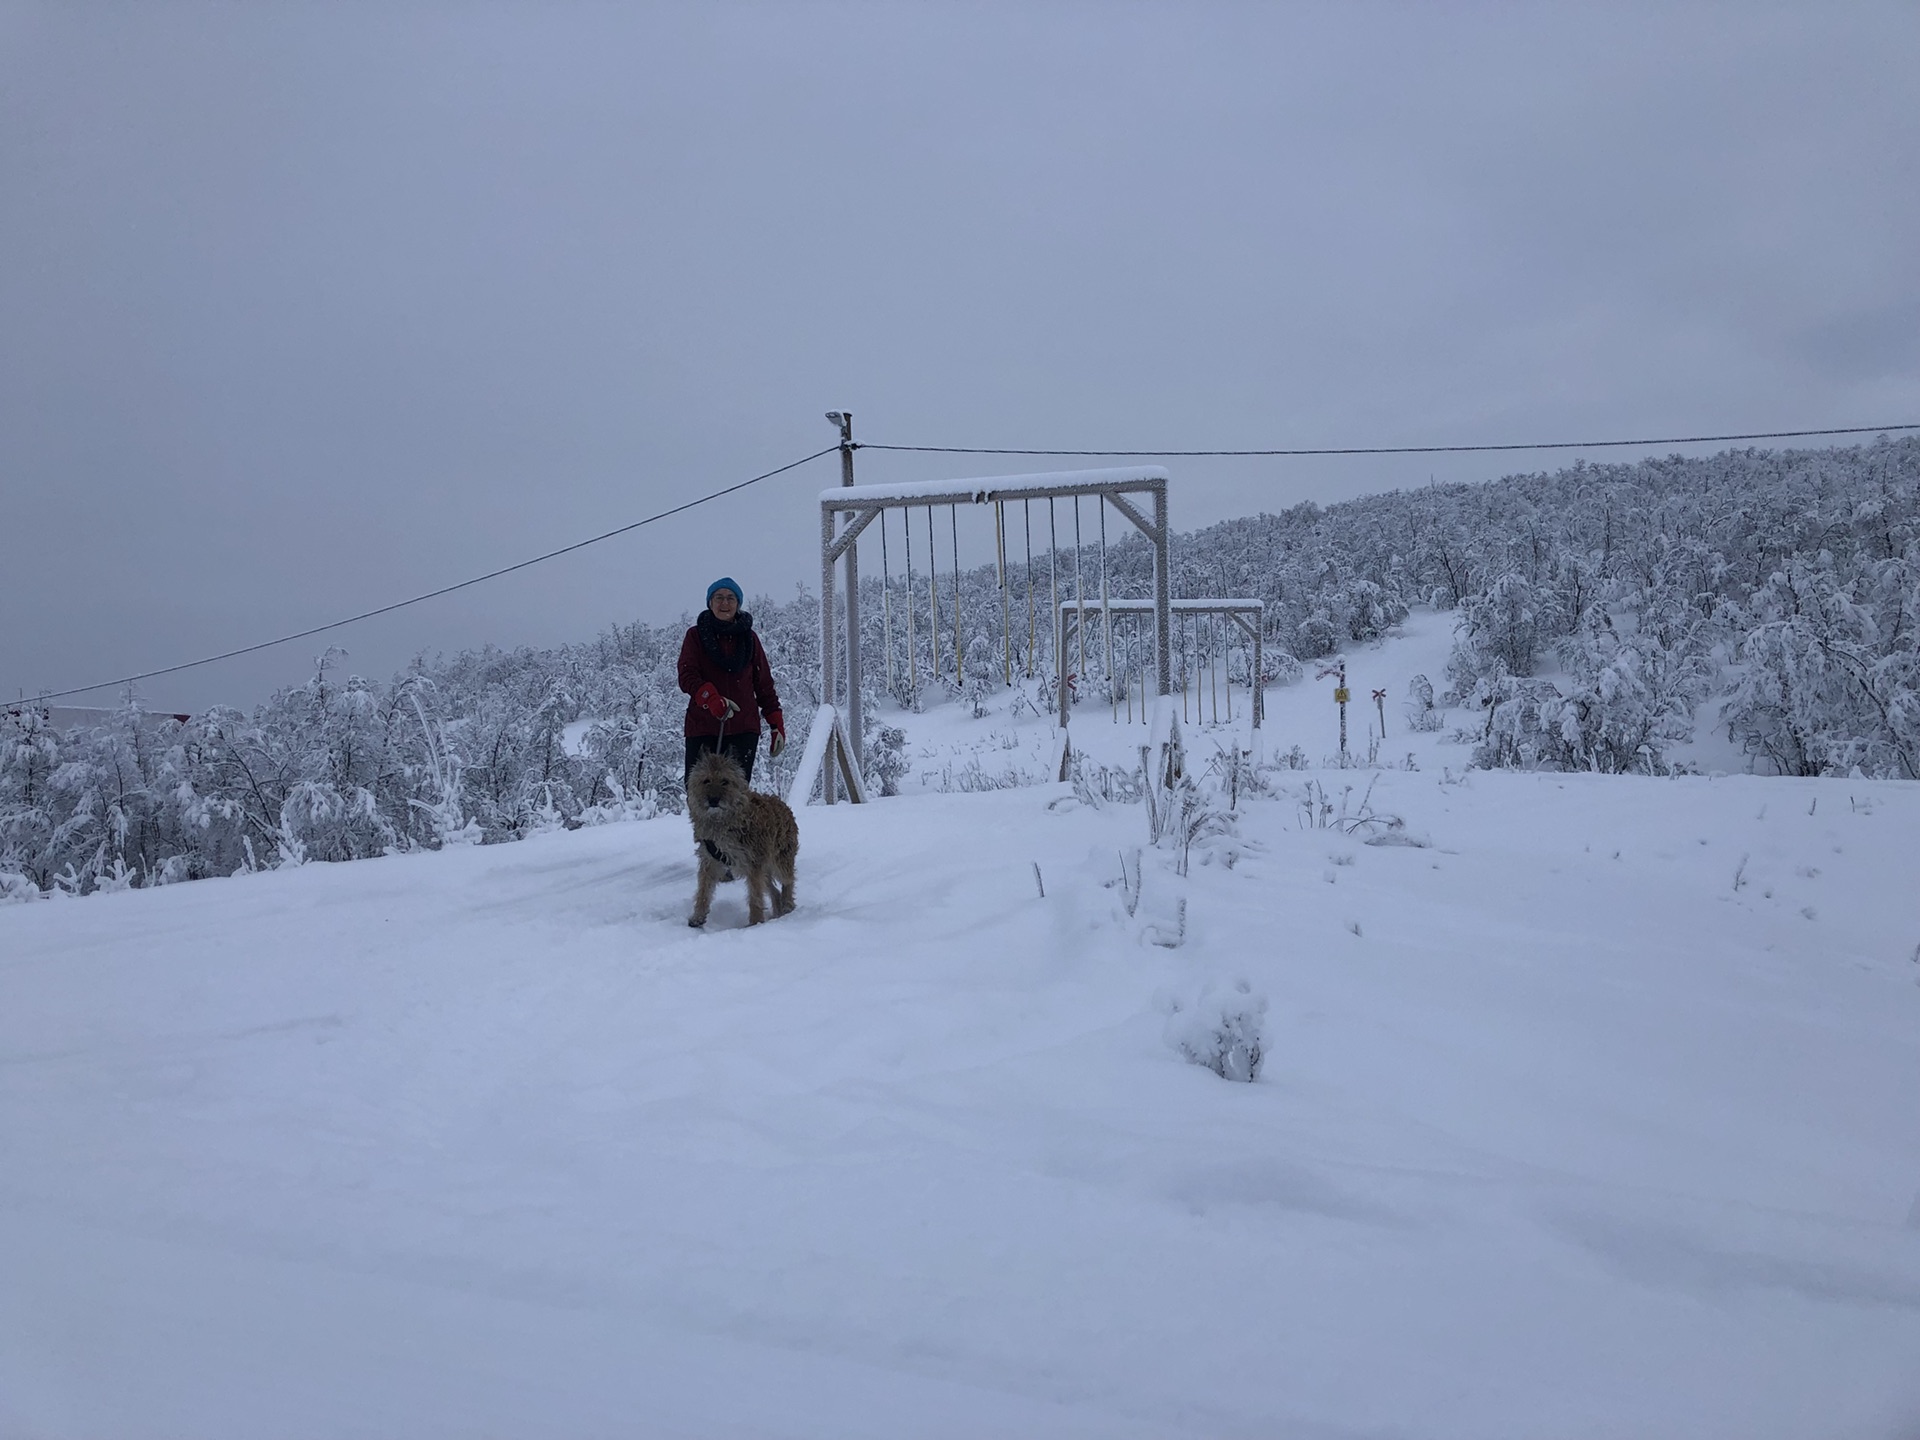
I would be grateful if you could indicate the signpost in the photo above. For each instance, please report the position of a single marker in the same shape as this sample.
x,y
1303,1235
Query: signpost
x,y
1338,670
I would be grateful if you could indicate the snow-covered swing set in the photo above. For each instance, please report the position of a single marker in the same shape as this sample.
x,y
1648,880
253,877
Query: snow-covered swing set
x,y
1137,493
1203,629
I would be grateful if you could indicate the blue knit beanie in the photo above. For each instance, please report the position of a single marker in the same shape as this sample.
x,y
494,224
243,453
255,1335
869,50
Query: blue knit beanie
x,y
725,582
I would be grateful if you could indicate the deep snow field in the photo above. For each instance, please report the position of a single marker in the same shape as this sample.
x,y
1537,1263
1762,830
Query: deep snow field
x,y
1596,1115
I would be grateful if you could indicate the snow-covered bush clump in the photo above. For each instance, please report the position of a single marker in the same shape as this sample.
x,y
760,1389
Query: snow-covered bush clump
x,y
1621,700
885,761
1831,671
1501,632
1281,667
1421,712
620,805
1221,1029
1602,606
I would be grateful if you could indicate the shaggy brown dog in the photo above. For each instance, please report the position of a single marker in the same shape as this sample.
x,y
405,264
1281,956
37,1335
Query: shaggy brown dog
x,y
741,830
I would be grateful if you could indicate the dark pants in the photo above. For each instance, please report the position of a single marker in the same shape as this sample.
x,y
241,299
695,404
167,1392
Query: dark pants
x,y
739,748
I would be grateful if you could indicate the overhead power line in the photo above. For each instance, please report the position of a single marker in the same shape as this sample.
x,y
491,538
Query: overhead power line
x,y
958,450
434,594
1402,449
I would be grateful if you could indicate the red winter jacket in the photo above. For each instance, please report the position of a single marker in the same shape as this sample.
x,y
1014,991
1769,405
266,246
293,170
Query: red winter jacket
x,y
750,687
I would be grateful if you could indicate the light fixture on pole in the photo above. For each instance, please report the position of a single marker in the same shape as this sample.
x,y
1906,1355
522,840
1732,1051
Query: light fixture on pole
x,y
843,420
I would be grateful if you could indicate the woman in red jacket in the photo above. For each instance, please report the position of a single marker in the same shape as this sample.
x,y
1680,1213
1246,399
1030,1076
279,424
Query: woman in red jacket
x,y
724,670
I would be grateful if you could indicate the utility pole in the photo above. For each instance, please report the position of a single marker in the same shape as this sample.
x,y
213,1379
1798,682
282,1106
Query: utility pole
x,y
844,420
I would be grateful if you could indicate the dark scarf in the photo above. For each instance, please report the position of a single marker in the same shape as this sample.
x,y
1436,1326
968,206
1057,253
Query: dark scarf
x,y
739,630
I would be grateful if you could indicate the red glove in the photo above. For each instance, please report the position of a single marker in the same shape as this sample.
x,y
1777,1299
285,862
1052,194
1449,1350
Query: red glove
x,y
778,740
713,702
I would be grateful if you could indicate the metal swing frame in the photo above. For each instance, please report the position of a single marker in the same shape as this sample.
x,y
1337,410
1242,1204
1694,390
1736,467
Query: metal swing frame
x,y
1247,614
1138,493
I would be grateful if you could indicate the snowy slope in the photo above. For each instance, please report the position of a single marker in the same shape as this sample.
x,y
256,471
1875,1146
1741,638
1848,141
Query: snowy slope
x,y
949,748
1561,1133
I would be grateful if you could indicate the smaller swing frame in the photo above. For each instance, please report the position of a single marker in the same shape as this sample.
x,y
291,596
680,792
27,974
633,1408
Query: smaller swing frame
x,y
1246,612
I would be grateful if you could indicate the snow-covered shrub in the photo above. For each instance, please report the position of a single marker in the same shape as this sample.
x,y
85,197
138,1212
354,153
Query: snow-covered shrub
x,y
1194,814
16,888
1831,677
1366,610
1422,714
1500,633
983,659
1622,700
1098,785
971,777
1234,772
620,805
1220,1029
1316,636
546,816
1627,697
1318,810
979,698
112,879
618,748
886,757
1282,667
444,806
319,822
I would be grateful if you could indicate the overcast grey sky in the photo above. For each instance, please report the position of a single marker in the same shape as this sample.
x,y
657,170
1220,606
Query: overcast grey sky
x,y
304,309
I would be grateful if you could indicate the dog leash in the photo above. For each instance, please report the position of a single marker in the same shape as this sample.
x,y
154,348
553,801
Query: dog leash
x,y
720,740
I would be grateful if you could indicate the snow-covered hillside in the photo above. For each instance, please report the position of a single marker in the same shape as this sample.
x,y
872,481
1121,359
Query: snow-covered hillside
x,y
1753,610
1592,1116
